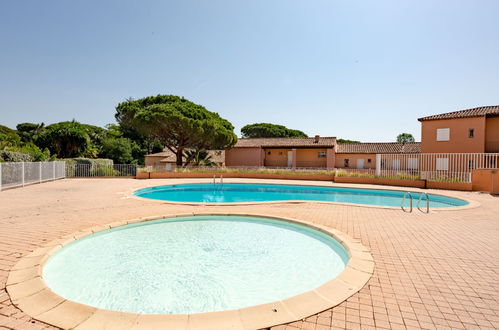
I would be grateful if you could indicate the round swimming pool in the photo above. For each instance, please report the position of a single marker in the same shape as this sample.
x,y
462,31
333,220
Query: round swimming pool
x,y
194,264
243,192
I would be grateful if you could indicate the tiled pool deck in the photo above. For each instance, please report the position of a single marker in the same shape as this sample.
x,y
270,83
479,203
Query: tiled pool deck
x,y
433,271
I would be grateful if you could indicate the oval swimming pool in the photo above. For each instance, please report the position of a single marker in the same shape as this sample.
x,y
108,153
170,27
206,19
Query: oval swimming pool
x,y
194,264
244,192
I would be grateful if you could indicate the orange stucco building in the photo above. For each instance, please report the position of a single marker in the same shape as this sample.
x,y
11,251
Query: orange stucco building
x,y
316,152
473,130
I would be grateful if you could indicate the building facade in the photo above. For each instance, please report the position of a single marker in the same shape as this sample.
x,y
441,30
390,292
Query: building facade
x,y
473,130
316,152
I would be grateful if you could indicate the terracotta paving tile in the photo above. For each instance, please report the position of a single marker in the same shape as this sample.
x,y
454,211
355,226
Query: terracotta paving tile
x,y
432,271
324,320
322,327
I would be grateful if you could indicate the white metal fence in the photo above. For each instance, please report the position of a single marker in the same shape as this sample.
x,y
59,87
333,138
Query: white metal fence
x,y
24,173
100,170
436,166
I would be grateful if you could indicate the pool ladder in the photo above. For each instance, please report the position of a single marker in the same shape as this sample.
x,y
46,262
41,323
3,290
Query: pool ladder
x,y
221,183
408,193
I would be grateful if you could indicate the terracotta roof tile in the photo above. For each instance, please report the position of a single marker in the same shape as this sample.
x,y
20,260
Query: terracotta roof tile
x,y
473,112
286,142
379,148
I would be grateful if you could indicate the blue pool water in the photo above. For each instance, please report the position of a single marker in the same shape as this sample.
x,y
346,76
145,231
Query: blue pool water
x,y
243,192
194,264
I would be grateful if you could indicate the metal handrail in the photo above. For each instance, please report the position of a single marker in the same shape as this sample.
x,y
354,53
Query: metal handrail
x,y
221,180
403,200
427,202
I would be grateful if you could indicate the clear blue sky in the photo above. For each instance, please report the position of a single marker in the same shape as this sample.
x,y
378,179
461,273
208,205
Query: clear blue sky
x,y
359,69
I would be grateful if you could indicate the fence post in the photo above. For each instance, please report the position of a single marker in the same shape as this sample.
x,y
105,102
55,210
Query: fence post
x,y
53,170
40,171
378,165
22,177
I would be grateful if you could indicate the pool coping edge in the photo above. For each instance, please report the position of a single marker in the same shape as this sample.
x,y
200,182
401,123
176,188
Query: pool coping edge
x,y
29,292
471,203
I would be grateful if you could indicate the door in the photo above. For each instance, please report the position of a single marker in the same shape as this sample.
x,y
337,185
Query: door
x,y
360,163
290,158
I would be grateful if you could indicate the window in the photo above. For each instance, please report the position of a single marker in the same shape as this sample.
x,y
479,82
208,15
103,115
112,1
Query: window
x,y
345,162
471,133
321,154
443,134
442,164
369,160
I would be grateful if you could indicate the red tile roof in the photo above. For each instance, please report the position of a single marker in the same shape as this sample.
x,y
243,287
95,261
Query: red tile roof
x,y
379,148
286,142
473,112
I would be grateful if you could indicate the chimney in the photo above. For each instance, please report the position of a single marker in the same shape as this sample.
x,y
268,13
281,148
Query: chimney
x,y
316,140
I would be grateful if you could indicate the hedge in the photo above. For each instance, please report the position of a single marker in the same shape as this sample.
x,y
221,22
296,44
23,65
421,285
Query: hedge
x,y
88,161
95,165
12,156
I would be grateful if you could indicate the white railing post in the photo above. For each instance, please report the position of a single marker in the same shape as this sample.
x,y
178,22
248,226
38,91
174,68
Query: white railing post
x,y
378,165
22,177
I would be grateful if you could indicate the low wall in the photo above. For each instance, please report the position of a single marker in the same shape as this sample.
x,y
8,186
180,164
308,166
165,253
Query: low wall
x,y
381,181
463,186
486,180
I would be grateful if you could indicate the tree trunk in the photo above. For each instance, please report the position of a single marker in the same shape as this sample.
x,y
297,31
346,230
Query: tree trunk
x,y
180,153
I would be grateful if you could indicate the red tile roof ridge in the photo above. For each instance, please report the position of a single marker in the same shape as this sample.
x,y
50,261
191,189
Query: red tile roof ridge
x,y
466,113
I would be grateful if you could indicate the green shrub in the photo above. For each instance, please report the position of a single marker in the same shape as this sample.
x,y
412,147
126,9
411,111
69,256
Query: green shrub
x,y
88,161
12,156
72,169
104,170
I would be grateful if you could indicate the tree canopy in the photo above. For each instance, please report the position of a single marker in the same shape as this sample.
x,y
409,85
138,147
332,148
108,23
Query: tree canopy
x,y
8,137
28,131
266,130
346,141
70,139
177,123
120,150
66,139
405,137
